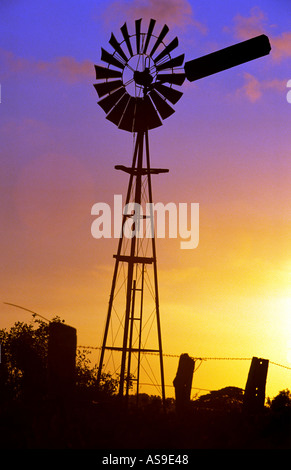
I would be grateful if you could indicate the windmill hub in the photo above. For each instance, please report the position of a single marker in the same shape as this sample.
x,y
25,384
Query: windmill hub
x,y
136,87
143,78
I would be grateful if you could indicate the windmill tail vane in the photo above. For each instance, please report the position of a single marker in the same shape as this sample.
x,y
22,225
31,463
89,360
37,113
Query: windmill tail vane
x,y
137,88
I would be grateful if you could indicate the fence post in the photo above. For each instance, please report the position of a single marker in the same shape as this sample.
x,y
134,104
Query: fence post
x,y
61,359
183,382
254,396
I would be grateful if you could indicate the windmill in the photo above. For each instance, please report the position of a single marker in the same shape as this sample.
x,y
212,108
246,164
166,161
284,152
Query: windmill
x,y
137,92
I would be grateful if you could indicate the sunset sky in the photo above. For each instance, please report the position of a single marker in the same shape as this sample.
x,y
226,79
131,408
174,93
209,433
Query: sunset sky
x,y
227,148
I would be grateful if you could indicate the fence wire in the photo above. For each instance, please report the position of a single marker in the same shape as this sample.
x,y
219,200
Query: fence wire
x,y
199,358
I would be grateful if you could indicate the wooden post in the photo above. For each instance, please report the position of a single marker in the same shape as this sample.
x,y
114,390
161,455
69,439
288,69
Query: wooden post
x,y
61,359
254,396
183,382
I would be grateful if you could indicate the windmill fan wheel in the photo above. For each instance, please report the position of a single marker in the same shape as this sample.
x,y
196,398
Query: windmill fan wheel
x,y
137,85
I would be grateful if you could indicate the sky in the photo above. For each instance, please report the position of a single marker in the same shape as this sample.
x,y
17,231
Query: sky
x,y
227,148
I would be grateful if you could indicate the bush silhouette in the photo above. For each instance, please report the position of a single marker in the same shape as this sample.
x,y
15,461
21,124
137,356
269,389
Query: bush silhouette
x,y
97,419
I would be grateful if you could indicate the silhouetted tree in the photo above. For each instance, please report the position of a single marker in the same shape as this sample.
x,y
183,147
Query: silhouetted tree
x,y
280,418
86,378
228,398
24,353
23,368
280,402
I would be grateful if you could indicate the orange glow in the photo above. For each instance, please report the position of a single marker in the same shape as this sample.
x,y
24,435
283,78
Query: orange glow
x,y
227,147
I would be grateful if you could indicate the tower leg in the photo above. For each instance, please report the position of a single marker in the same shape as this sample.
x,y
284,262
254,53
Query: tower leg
x,y
133,254
155,271
113,285
137,200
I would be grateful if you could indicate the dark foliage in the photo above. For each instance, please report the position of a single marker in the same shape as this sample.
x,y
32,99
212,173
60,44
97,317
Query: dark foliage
x,y
228,398
24,366
97,419
281,402
23,362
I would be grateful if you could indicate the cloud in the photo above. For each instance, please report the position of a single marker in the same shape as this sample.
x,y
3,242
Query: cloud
x,y
256,23
252,25
70,69
67,68
253,88
281,46
173,12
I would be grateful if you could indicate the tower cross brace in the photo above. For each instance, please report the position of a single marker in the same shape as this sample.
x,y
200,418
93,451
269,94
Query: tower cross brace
x,y
139,183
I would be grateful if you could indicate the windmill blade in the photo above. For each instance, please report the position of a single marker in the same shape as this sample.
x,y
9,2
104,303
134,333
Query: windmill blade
x,y
115,44
175,78
106,57
237,54
137,32
126,122
125,34
159,39
169,93
149,34
106,87
111,100
173,44
164,109
170,64
116,113
146,116
104,72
